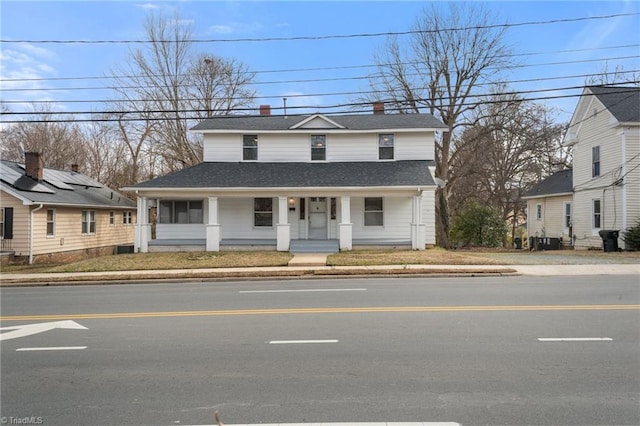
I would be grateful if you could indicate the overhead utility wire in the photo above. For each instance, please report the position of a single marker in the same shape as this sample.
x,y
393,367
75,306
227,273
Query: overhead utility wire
x,y
304,95
330,36
276,71
316,107
366,77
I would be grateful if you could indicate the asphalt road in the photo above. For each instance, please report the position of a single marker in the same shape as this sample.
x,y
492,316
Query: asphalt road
x,y
464,350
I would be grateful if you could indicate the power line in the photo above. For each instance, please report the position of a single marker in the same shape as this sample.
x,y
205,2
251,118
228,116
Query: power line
x,y
351,105
330,36
335,68
318,80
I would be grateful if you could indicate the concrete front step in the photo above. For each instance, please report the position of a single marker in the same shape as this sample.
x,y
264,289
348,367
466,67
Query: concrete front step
x,y
309,259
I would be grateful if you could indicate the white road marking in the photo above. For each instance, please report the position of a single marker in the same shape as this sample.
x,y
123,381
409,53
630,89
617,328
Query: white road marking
x,y
53,348
575,339
350,424
287,342
29,329
306,290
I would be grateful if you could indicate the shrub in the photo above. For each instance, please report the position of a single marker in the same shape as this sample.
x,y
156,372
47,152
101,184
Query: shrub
x,y
632,237
479,225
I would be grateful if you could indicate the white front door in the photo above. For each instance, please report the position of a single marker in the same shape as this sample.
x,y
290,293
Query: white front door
x,y
317,218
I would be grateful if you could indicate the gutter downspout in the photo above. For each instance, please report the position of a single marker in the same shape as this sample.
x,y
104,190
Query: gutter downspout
x,y
31,233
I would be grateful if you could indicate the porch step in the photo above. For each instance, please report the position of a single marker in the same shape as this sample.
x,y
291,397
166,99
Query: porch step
x,y
309,259
314,246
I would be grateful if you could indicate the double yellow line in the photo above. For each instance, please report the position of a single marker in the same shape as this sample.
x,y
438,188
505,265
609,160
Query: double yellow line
x,y
364,310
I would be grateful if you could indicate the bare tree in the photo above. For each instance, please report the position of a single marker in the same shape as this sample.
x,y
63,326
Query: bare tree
x,y
519,143
617,76
60,143
167,82
452,51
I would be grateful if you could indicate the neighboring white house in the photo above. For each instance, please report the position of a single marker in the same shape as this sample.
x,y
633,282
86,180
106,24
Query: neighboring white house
x,y
275,181
605,136
549,207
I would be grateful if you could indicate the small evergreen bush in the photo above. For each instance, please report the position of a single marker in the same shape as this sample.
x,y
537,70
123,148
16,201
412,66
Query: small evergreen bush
x,y
632,237
479,225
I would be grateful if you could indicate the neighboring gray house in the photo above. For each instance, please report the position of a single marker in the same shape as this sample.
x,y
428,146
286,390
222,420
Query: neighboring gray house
x,y
48,214
277,181
549,207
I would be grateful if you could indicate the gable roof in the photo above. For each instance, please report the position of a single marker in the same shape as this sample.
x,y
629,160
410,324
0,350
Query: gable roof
x,y
59,187
622,102
354,122
296,175
559,183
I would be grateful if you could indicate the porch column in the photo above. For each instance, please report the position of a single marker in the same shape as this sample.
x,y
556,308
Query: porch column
x,y
143,229
283,227
346,236
213,227
417,227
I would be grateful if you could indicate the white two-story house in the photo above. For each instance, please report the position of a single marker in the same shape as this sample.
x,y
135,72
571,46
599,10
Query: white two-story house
x,y
604,134
275,181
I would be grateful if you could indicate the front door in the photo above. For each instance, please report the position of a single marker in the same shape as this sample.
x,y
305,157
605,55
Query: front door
x,y
317,218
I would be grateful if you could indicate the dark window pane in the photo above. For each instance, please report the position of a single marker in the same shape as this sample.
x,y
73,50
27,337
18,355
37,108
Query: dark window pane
x,y
250,154
318,147
181,212
373,219
263,219
166,212
263,204
195,212
373,204
302,208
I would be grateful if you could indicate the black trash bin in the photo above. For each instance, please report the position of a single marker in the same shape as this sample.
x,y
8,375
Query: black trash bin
x,y
609,239
518,243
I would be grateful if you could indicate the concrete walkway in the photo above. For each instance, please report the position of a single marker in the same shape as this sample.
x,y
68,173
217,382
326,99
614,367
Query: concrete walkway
x,y
309,259
292,272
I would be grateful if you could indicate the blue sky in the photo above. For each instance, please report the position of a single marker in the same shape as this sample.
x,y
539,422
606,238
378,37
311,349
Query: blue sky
x,y
581,42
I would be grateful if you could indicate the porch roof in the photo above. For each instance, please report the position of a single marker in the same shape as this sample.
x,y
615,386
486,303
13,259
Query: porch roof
x,y
296,175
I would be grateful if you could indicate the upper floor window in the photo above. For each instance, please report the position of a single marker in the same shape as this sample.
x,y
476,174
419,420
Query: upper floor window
x,y
595,161
373,212
385,147
250,147
181,211
51,222
597,214
127,218
538,211
112,217
262,212
318,147
88,221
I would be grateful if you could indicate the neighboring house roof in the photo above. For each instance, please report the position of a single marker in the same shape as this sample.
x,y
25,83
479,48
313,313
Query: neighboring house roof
x,y
622,102
297,175
357,122
559,183
59,187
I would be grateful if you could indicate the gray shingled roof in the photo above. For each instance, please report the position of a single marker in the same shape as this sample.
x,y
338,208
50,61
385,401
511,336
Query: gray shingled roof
x,y
558,183
79,190
296,175
350,122
622,102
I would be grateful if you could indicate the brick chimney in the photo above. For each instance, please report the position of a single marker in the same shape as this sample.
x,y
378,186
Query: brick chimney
x,y
378,108
265,109
75,168
34,167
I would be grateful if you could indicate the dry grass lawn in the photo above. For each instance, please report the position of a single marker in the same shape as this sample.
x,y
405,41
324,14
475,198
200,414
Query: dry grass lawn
x,y
434,256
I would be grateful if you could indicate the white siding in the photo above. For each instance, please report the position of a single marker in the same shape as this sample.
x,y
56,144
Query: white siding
x,y
429,216
181,231
20,242
632,179
397,219
236,219
287,147
551,224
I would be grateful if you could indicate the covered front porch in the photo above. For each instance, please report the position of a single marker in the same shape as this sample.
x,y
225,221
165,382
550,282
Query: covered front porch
x,y
285,223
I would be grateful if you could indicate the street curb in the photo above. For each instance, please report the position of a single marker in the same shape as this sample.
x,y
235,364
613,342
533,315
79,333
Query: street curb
x,y
292,275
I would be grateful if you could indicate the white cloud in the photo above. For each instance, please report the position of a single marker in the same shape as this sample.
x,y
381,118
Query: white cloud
x,y
147,6
236,28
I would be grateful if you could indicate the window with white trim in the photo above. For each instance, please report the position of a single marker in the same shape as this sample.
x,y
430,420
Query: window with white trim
x,y
181,211
385,146
373,211
127,218
249,147
538,211
112,217
597,214
51,222
567,214
263,212
318,147
88,221
595,161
